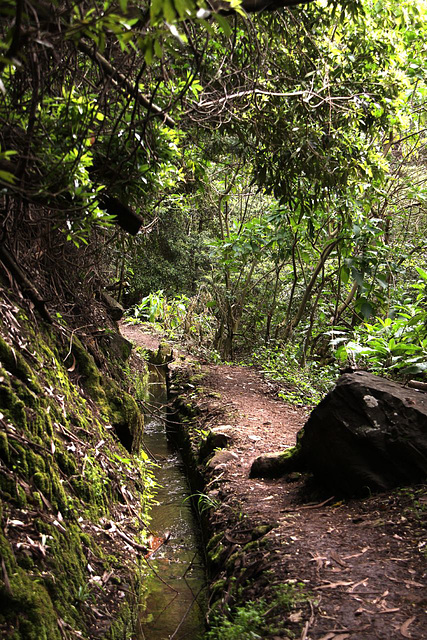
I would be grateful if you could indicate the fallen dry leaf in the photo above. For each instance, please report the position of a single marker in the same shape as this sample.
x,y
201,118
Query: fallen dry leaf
x,y
334,585
337,559
317,505
404,627
304,632
357,555
15,523
296,616
357,585
412,583
73,366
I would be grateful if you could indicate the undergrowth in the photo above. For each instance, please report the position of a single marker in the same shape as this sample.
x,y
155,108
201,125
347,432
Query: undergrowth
x,y
299,385
259,619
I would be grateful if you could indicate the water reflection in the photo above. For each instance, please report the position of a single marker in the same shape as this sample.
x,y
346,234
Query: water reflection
x,y
173,608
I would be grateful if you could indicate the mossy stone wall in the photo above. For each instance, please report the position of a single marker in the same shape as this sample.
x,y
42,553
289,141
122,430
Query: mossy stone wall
x,y
60,475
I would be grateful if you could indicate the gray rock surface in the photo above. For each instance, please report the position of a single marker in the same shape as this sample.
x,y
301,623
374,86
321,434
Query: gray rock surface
x,y
367,434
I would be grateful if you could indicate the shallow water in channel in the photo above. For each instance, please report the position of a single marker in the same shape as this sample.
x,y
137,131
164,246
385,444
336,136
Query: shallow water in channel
x,y
173,606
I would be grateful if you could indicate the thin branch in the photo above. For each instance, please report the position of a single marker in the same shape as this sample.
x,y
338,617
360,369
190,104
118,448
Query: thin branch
x,y
128,86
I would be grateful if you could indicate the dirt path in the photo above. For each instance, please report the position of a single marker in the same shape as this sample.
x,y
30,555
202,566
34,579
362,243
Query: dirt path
x,y
362,558
363,561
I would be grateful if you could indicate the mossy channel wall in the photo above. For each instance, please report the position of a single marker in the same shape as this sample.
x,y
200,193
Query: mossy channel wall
x,y
73,483
234,545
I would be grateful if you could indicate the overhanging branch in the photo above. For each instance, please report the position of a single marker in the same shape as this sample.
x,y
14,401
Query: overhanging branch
x,y
125,84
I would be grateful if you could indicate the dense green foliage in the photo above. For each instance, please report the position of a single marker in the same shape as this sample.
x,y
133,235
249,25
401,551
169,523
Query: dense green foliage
x,y
277,162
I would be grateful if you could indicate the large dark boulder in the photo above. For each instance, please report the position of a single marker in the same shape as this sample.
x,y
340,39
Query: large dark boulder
x,y
367,434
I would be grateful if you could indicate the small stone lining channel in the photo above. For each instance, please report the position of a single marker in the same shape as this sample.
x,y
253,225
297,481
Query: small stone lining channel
x,y
173,608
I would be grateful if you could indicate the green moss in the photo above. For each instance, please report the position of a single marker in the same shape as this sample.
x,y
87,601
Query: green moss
x,y
66,462
13,361
12,407
124,415
86,539
213,542
37,501
21,496
4,447
231,561
35,462
163,355
216,555
39,468
288,454
250,546
217,589
214,394
60,501
87,368
197,377
115,405
261,530
44,483
275,465
20,459
26,605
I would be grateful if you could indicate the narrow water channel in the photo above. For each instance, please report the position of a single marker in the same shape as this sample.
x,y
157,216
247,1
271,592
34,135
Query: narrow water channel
x,y
173,608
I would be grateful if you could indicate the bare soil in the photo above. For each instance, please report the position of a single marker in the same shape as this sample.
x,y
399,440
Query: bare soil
x,y
362,561
140,338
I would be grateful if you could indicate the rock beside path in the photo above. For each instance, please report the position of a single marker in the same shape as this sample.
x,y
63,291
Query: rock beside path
x,y
367,434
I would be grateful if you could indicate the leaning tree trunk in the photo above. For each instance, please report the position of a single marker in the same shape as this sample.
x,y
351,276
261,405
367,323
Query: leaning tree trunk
x,y
309,288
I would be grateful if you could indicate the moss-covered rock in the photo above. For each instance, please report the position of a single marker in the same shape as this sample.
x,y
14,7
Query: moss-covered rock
x,y
276,465
124,415
89,372
163,355
15,364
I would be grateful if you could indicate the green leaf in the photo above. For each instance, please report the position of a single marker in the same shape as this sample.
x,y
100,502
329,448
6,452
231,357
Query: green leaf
x,y
6,176
156,11
148,51
223,23
422,273
344,275
415,368
366,309
358,277
169,11
158,49
184,8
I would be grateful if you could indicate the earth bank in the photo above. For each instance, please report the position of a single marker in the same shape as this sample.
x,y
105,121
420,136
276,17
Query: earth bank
x,y
74,482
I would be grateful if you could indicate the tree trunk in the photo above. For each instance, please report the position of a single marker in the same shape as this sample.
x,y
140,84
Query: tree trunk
x,y
309,288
